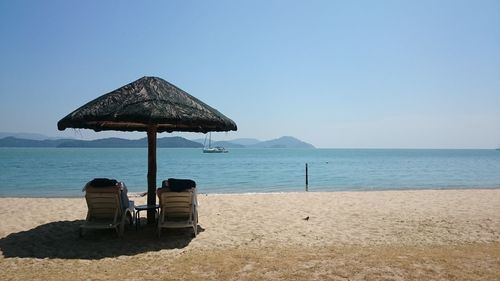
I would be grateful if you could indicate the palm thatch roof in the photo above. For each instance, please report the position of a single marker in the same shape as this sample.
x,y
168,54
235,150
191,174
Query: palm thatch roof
x,y
149,101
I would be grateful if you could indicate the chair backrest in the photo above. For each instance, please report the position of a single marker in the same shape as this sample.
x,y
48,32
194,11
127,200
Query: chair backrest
x,y
103,204
176,204
178,184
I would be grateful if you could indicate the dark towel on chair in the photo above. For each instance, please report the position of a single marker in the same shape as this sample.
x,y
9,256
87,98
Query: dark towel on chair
x,y
178,184
103,182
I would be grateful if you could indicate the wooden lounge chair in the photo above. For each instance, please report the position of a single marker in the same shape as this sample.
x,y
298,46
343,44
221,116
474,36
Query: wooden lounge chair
x,y
178,210
106,211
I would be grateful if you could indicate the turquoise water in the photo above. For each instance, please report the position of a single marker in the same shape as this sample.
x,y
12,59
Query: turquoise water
x,y
50,172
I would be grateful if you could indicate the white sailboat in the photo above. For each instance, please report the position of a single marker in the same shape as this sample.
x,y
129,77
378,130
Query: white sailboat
x,y
210,149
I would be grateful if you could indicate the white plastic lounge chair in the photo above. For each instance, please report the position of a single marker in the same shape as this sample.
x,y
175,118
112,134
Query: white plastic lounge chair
x,y
178,210
105,210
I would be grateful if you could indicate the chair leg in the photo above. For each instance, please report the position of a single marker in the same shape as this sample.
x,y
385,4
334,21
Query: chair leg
x,y
120,229
195,227
130,219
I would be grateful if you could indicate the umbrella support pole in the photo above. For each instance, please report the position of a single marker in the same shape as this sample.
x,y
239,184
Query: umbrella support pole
x,y
152,173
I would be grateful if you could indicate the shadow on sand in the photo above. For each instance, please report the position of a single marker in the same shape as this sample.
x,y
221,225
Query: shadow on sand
x,y
61,240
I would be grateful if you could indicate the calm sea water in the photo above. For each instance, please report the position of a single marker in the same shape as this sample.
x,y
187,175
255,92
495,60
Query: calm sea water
x,y
63,171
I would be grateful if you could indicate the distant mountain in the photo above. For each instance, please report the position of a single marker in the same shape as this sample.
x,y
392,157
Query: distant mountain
x,y
245,141
167,142
176,142
18,142
230,144
227,144
106,142
29,136
99,143
283,142
201,141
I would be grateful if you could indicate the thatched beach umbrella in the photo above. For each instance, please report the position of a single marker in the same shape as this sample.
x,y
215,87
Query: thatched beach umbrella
x,y
149,104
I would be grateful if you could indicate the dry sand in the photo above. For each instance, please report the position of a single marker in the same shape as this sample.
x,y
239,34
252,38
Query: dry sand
x,y
383,235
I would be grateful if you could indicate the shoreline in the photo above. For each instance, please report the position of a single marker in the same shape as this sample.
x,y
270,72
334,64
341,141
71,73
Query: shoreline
x,y
404,234
134,194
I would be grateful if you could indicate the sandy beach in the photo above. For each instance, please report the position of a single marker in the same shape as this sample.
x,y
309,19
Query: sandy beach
x,y
382,235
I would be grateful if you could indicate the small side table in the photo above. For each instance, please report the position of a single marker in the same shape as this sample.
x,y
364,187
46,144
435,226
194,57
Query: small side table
x,y
140,208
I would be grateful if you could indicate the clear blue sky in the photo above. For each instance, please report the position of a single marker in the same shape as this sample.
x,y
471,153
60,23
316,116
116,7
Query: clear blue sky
x,y
400,74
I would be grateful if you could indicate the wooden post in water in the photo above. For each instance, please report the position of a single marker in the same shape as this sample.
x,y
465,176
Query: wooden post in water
x,y
307,179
